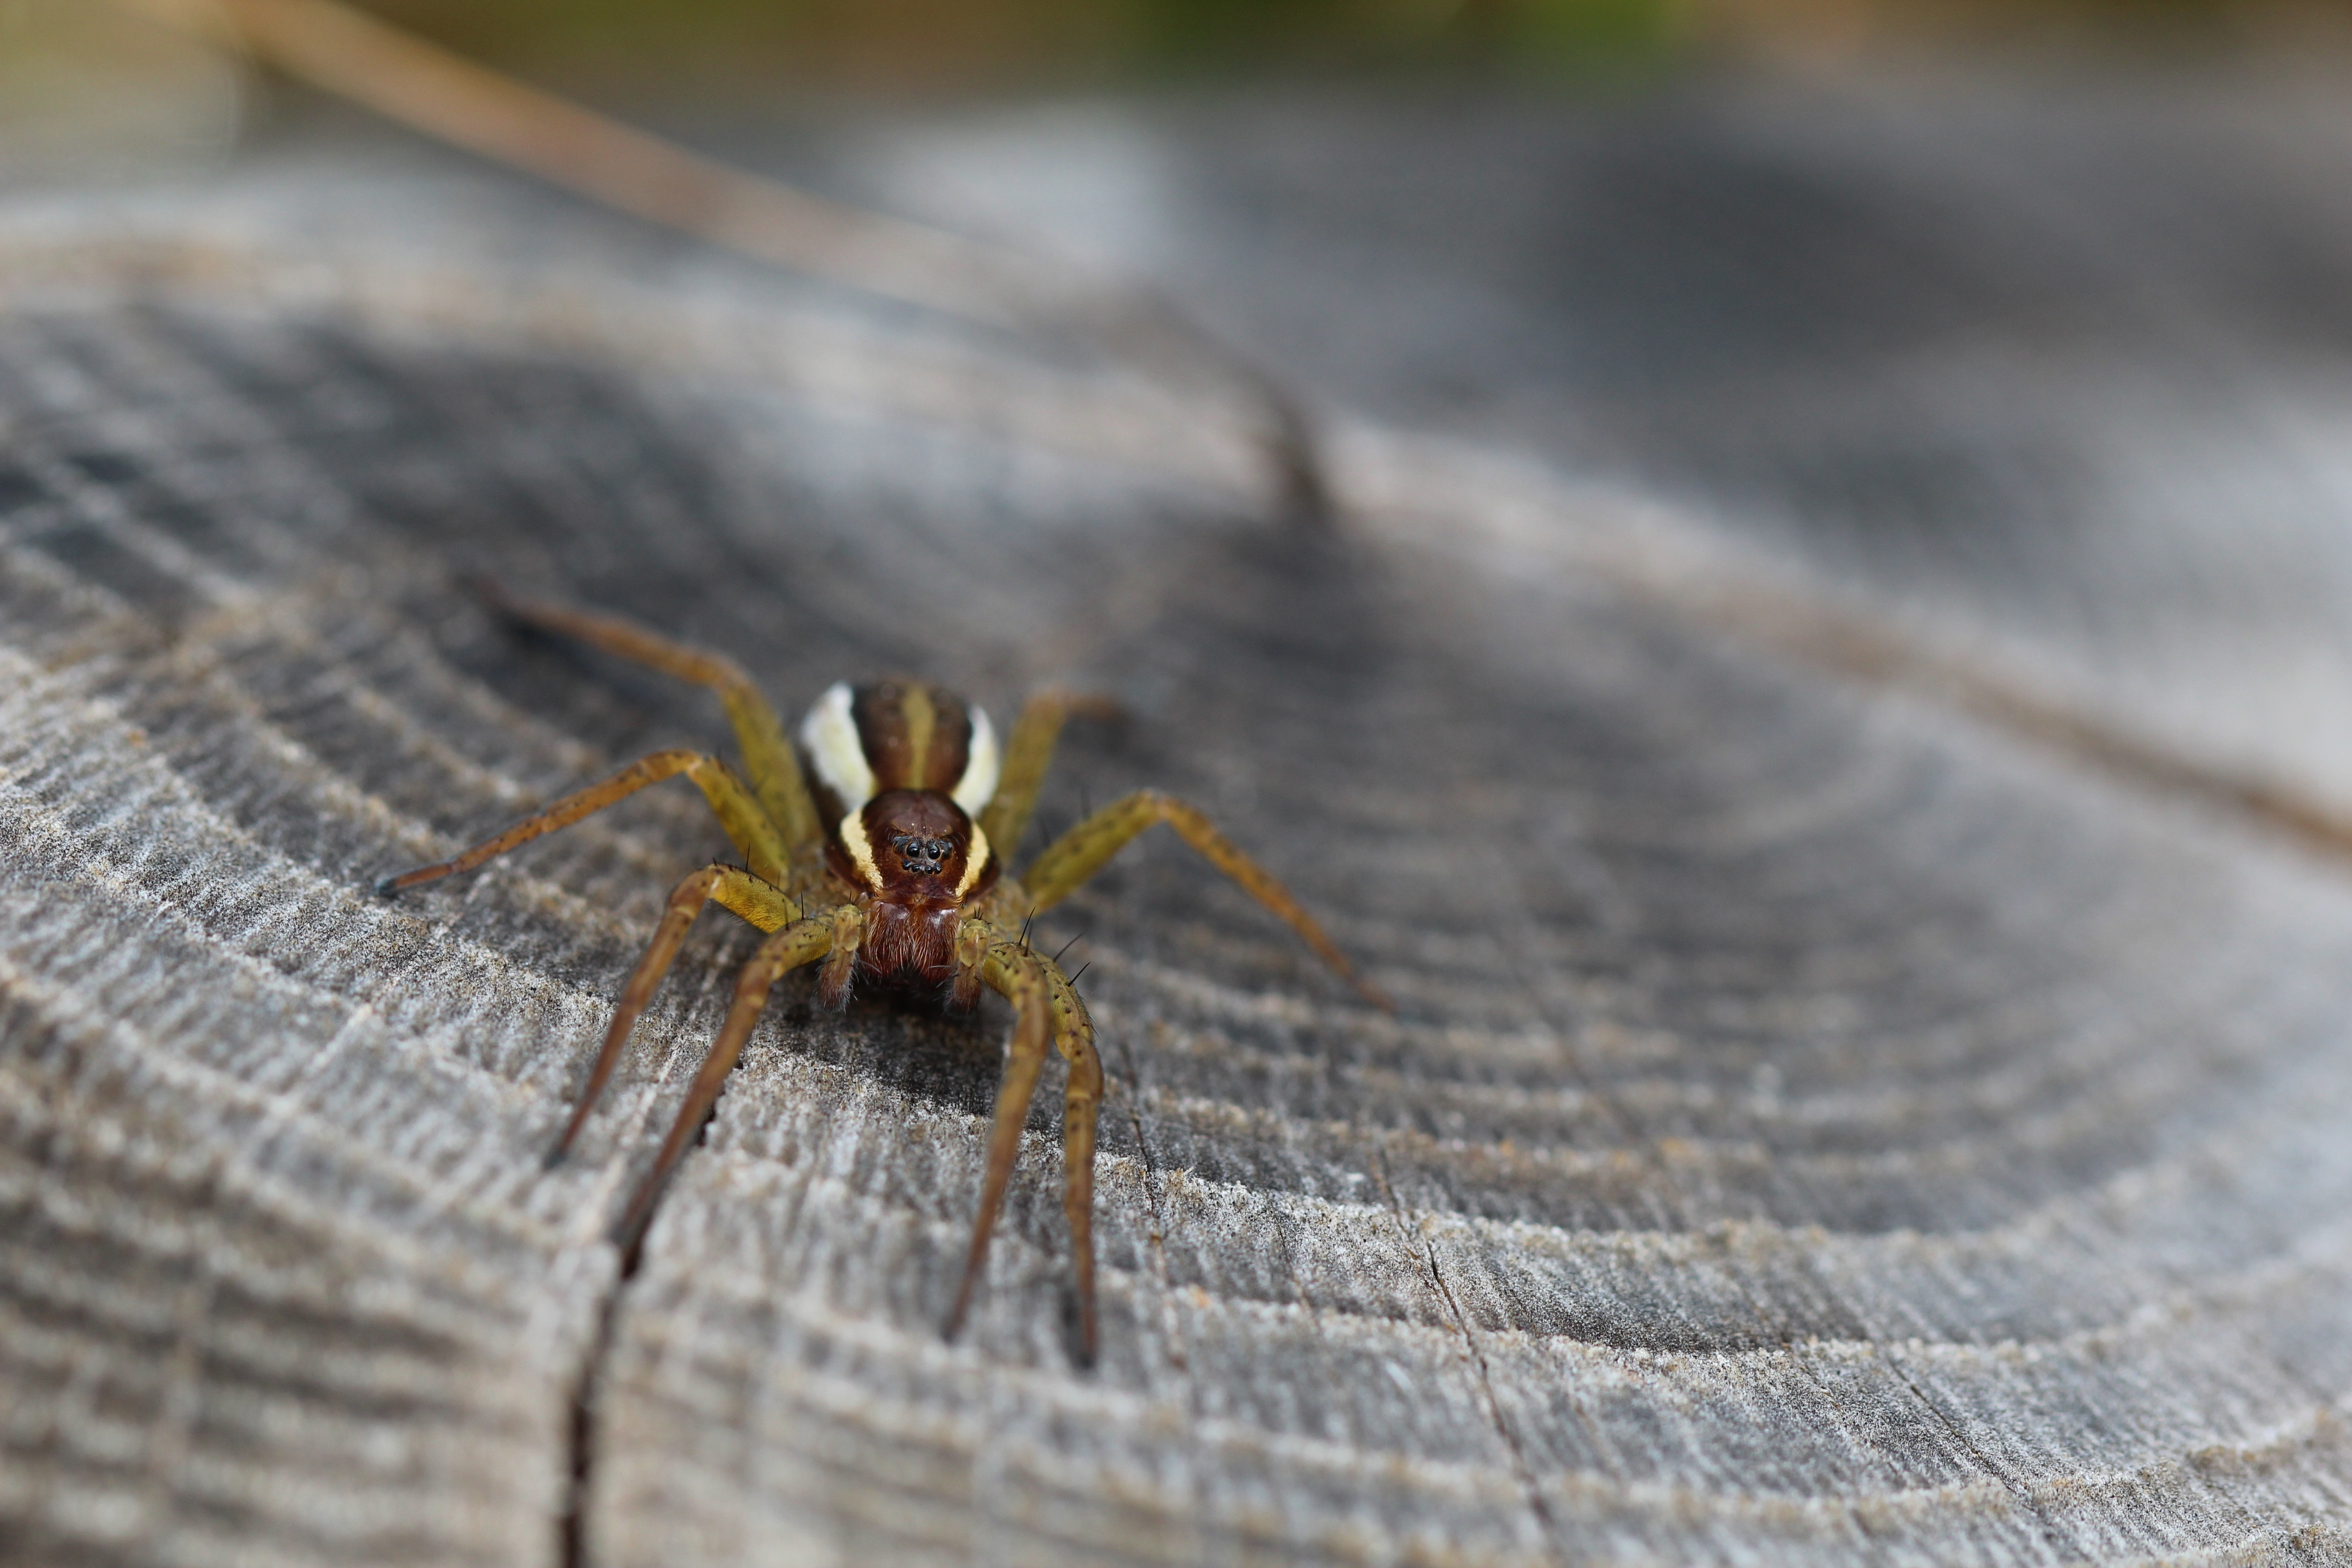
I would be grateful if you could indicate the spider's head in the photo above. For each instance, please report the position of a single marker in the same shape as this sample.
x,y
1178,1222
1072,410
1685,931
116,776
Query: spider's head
x,y
919,856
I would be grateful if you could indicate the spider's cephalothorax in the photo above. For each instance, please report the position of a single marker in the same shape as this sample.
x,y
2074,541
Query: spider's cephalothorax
x,y
899,767
882,857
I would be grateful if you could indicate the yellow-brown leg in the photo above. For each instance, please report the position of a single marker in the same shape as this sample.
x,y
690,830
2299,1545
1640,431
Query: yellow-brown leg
x,y
759,903
803,942
745,823
1066,863
1074,1034
1017,974
1028,753
768,757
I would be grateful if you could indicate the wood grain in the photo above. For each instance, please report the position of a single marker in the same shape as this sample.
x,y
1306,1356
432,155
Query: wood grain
x,y
1817,1127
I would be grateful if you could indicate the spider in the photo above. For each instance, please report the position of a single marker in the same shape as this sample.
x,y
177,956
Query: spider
x,y
876,851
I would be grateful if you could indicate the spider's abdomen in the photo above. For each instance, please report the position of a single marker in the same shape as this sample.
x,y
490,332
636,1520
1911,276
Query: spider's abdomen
x,y
862,741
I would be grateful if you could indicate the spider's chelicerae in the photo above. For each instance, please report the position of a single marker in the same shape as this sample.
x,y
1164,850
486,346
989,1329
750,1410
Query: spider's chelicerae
x,y
876,850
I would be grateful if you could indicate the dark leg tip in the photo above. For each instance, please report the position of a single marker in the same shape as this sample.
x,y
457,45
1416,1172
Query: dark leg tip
x,y
554,1157
1078,1327
387,886
952,1330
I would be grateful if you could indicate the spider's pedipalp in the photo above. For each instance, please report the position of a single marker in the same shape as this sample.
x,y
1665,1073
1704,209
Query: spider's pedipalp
x,y
1065,865
972,941
848,936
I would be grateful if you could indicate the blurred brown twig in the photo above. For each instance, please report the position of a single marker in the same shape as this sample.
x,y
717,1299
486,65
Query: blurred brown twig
x,y
418,84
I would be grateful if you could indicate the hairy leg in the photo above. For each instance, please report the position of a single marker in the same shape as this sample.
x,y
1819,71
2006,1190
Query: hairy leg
x,y
803,942
757,901
768,757
1017,974
738,812
1066,863
1074,1034
1028,753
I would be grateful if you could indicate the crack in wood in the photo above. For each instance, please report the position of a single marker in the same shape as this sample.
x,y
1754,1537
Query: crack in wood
x,y
571,1527
1520,1468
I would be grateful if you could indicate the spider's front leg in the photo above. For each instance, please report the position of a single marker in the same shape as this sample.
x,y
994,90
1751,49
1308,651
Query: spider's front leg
x,y
761,903
1065,864
803,942
1074,1034
1045,1006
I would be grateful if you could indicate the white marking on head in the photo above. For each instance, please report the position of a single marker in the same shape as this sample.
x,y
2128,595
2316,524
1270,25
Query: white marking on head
x,y
861,849
975,862
829,736
981,765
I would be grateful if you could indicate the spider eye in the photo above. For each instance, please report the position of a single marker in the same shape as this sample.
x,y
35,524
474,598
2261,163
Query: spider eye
x,y
920,854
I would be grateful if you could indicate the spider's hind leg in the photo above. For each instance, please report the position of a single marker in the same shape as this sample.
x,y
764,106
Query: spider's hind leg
x,y
1065,865
1028,754
768,757
746,824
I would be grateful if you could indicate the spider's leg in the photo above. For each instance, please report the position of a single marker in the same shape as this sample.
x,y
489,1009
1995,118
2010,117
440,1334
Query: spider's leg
x,y
803,942
757,901
1014,973
1074,1033
1028,753
768,755
1066,863
738,812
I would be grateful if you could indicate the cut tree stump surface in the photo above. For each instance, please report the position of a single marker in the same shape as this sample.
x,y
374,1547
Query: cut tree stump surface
x,y
1815,1128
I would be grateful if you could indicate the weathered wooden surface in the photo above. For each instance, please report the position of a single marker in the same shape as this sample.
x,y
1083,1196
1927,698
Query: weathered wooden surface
x,y
1815,1128
2057,361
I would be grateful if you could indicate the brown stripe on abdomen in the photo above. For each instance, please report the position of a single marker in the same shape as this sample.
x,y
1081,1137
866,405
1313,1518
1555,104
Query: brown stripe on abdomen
x,y
915,735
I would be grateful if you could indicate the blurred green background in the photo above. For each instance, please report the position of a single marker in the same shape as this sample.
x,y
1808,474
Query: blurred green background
x,y
981,45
